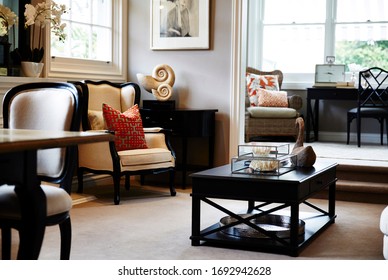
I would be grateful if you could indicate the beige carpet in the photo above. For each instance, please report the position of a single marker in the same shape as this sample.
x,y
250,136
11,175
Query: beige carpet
x,y
149,224
370,154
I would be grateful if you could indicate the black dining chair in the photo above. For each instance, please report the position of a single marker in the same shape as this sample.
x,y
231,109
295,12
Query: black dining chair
x,y
43,106
372,101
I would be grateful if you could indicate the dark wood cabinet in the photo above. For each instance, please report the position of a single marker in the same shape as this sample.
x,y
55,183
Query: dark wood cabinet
x,y
185,124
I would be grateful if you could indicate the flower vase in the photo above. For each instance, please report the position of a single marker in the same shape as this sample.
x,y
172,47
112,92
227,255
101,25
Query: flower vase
x,y
32,69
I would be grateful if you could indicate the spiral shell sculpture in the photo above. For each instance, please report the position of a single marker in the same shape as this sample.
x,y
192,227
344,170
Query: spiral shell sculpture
x,y
160,83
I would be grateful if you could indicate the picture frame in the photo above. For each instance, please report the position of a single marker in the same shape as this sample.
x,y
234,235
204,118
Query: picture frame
x,y
186,30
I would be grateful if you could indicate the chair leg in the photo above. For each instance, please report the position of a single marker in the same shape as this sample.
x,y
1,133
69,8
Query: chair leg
x,y
65,230
80,177
116,186
172,183
6,243
359,131
381,121
348,126
386,128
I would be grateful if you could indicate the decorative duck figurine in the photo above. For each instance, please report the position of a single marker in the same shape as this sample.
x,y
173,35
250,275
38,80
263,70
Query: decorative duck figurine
x,y
160,83
305,156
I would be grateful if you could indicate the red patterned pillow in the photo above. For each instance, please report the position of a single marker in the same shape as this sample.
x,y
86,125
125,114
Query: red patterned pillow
x,y
128,127
272,98
255,82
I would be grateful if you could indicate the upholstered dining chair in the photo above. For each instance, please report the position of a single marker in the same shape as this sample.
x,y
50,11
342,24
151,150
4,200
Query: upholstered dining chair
x,y
372,101
43,106
136,150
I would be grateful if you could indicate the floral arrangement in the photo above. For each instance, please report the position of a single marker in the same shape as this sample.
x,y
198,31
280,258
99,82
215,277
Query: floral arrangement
x,y
37,18
7,20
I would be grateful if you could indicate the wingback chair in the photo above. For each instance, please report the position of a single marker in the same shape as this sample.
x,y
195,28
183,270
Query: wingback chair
x,y
44,106
104,158
270,120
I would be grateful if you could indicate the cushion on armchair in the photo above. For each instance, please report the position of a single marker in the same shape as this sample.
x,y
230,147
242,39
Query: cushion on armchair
x,y
272,112
128,127
272,98
295,103
255,81
96,120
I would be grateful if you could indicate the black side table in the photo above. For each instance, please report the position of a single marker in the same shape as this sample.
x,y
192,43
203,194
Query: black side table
x,y
185,123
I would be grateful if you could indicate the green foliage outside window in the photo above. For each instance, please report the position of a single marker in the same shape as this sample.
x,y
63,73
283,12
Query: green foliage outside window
x,y
362,53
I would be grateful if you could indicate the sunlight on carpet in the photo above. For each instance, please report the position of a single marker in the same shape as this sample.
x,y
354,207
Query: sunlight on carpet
x,y
103,194
79,198
369,154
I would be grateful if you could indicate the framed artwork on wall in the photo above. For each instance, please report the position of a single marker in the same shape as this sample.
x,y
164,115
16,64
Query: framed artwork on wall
x,y
179,24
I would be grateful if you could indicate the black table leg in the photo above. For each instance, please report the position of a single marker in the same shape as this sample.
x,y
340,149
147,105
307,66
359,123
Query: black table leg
x,y
308,120
195,221
184,160
33,208
294,228
316,120
332,188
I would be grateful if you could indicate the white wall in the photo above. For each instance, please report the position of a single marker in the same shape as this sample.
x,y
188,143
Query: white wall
x,y
202,76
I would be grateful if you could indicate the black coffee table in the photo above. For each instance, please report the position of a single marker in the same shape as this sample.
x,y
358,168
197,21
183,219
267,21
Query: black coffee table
x,y
265,195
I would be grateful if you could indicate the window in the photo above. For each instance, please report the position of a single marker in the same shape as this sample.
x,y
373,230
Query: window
x,y
361,37
294,35
94,46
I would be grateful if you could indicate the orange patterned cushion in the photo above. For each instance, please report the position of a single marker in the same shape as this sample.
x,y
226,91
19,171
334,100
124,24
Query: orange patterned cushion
x,y
272,98
128,127
255,82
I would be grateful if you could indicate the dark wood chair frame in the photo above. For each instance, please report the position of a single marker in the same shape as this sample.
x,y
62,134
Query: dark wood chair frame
x,y
64,180
117,173
372,101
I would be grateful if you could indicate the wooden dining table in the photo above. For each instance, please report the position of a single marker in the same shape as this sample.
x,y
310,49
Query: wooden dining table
x,y
18,166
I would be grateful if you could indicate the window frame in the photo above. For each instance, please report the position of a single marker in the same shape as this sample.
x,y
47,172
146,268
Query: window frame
x,y
116,70
255,46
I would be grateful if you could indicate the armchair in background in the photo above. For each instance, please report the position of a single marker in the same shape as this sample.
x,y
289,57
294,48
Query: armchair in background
x,y
136,151
270,112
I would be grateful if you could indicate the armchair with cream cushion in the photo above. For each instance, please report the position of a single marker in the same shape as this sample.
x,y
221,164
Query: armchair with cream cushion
x,y
269,111
146,151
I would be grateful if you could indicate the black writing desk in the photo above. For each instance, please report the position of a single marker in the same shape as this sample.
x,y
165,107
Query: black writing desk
x,y
18,166
323,93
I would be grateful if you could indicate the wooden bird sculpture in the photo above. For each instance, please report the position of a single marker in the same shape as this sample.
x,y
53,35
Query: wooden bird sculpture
x,y
305,156
160,83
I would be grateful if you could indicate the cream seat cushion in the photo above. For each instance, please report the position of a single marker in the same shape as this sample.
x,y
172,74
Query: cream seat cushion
x,y
272,112
58,201
144,156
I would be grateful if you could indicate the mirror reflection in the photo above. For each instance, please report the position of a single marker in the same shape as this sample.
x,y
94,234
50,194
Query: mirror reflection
x,y
12,35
